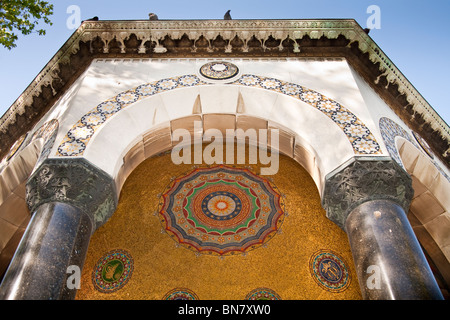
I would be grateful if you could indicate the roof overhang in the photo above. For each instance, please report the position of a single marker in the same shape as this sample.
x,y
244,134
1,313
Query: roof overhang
x,y
224,38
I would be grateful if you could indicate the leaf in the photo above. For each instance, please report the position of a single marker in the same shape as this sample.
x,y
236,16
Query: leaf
x,y
22,16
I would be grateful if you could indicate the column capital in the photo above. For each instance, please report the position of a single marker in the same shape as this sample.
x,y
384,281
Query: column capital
x,y
74,181
363,179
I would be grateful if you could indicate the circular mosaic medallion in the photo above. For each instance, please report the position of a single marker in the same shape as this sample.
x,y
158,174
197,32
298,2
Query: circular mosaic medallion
x,y
180,294
219,70
221,210
329,271
262,294
112,271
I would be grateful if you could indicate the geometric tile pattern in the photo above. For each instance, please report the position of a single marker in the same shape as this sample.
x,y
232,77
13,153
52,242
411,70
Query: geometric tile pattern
x,y
360,137
390,129
75,141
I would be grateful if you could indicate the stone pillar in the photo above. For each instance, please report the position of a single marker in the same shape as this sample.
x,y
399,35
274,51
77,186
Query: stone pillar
x,y
369,198
69,199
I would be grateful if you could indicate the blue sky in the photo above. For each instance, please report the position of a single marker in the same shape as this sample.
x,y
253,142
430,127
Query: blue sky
x,y
414,34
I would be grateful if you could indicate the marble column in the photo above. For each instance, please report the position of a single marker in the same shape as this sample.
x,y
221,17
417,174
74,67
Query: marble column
x,y
58,237
69,200
368,199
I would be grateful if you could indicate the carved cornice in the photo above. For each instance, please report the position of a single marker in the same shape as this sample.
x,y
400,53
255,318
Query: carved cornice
x,y
361,180
73,181
230,38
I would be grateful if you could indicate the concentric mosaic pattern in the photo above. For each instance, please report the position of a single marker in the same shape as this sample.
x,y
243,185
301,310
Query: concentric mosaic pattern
x,y
112,271
329,271
262,294
221,210
75,141
219,70
180,294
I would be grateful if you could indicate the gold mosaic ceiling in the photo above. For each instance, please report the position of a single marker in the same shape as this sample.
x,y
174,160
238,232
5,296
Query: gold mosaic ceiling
x,y
155,265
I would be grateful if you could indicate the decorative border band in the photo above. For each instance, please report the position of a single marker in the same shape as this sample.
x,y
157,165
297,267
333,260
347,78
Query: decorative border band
x,y
77,138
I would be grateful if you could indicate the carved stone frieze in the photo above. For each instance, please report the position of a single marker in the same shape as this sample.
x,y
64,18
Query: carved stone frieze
x,y
73,181
361,180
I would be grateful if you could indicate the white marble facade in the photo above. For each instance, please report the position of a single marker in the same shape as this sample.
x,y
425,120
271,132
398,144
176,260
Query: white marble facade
x,y
116,101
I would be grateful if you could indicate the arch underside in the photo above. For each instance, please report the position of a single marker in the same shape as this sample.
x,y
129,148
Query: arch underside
x,y
75,141
308,120
429,212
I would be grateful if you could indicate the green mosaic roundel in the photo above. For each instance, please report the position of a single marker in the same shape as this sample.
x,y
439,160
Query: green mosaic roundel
x,y
112,271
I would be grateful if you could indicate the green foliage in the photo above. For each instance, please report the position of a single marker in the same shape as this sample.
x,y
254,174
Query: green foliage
x,y
22,16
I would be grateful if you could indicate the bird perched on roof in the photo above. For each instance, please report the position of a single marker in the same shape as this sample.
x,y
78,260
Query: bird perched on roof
x,y
227,15
152,16
92,19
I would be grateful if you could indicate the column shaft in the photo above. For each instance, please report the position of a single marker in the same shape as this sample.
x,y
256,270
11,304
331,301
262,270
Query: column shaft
x,y
368,198
57,237
389,261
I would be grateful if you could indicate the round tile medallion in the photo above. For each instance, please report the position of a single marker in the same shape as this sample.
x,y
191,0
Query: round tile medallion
x,y
112,271
219,70
329,271
262,294
180,294
221,210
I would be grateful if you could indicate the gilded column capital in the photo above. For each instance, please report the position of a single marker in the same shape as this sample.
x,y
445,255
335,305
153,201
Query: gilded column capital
x,y
363,179
76,182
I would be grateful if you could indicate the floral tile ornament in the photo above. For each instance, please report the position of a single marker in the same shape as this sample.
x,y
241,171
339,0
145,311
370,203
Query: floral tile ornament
x,y
76,140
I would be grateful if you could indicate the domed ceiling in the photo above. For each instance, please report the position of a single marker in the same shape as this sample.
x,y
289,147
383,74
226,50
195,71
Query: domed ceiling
x,y
219,232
